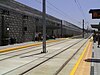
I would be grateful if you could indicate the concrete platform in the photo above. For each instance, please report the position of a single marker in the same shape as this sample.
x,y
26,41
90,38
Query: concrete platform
x,y
84,66
8,48
95,66
22,62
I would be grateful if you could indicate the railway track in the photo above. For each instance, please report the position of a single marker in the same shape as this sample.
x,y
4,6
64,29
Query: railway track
x,y
25,51
66,62
53,57
46,59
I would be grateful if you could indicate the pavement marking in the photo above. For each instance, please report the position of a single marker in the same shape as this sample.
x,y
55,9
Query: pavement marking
x,y
92,70
80,58
25,46
92,54
20,47
92,64
84,66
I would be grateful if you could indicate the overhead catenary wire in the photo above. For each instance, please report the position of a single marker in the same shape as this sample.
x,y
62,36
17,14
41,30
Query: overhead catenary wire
x,y
80,8
59,11
82,12
62,11
49,7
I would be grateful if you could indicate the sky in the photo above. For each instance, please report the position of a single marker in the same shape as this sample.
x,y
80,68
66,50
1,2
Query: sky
x,y
73,11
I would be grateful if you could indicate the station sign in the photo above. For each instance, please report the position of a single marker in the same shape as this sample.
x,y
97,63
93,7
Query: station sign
x,y
95,13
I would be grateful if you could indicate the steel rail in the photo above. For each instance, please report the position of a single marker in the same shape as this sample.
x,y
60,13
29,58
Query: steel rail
x,y
27,51
49,58
42,61
66,62
23,49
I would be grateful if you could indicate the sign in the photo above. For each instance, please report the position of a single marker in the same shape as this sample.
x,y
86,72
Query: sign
x,y
96,15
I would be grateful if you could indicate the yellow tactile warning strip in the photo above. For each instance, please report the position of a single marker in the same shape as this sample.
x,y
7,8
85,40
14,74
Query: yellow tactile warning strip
x,y
81,64
25,46
84,66
18,47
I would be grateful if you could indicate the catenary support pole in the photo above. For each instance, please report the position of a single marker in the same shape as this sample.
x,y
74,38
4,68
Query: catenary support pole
x,y
61,29
83,28
44,26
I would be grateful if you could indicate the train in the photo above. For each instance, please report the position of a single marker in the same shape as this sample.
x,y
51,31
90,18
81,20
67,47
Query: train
x,y
20,23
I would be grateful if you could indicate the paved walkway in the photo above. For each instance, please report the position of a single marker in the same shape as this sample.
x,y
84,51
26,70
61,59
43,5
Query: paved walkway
x,y
84,66
19,62
95,67
52,66
90,65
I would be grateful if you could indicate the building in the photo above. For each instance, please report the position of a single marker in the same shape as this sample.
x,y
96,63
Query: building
x,y
20,23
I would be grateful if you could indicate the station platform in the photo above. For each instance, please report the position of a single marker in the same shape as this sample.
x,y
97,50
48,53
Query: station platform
x,y
90,63
16,46
95,61
30,61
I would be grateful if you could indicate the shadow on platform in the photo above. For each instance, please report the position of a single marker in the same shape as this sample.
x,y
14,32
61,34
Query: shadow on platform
x,y
93,60
31,55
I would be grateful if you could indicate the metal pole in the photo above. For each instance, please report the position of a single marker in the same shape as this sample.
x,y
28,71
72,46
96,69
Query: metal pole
x,y
83,28
44,26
